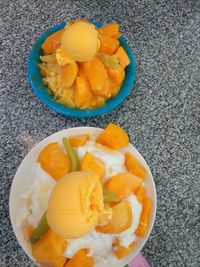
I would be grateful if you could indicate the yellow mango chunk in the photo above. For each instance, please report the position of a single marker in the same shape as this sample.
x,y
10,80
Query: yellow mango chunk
x,y
121,219
113,136
144,217
123,184
91,164
117,36
58,262
49,247
80,259
97,102
82,93
62,57
122,57
134,166
140,193
52,42
54,161
79,140
111,29
116,75
113,87
67,97
97,76
82,72
106,94
68,74
108,45
121,251
105,216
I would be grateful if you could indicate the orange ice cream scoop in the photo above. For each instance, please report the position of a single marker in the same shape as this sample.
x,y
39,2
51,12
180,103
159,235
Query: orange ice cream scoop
x,y
80,41
75,204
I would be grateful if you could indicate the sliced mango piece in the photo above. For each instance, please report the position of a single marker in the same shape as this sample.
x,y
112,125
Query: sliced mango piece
x,y
62,57
140,193
105,216
91,164
97,102
113,136
52,42
58,262
67,97
68,74
122,57
82,72
121,219
113,87
106,93
134,166
144,217
108,45
121,251
82,93
117,75
109,29
97,76
54,161
123,183
117,36
80,259
49,247
79,140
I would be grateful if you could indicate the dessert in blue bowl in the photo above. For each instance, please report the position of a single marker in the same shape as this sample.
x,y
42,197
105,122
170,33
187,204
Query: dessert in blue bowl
x,y
94,68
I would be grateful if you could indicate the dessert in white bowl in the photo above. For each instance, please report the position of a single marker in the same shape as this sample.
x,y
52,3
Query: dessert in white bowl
x,y
121,212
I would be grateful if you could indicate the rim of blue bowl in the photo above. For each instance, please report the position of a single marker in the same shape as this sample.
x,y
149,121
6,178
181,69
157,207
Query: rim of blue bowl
x,y
40,89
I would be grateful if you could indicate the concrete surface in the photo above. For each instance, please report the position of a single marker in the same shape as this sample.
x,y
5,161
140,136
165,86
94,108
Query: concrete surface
x,y
161,114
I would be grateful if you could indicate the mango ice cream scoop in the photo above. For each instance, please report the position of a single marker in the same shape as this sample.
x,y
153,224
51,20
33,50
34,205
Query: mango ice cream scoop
x,y
80,41
74,204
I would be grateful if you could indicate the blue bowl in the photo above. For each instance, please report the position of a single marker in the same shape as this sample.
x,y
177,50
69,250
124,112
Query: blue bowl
x,y
40,89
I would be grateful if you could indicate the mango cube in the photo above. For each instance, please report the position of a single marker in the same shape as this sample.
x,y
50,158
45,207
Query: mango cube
x,y
123,184
80,259
91,164
121,219
54,161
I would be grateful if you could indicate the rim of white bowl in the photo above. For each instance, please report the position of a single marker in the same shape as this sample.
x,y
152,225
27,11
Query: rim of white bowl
x,y
67,132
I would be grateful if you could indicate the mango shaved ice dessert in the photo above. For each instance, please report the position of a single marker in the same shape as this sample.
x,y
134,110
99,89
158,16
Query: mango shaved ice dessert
x,y
83,66
87,203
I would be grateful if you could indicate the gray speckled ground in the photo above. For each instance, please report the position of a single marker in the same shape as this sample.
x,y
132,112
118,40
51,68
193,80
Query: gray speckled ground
x,y
161,114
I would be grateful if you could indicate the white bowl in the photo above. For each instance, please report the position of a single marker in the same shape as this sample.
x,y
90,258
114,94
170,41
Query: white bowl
x,y
20,181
